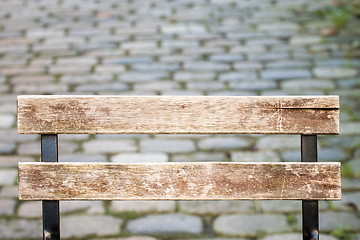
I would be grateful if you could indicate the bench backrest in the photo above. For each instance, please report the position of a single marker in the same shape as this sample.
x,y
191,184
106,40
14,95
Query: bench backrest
x,y
305,115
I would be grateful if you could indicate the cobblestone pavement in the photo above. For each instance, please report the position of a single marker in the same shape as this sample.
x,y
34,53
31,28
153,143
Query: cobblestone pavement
x,y
177,47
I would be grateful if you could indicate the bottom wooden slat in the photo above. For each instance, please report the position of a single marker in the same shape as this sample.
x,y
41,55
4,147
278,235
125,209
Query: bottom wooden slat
x,y
179,181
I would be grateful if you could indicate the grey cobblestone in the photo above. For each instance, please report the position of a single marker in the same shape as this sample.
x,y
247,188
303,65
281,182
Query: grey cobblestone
x,y
219,143
255,156
334,72
237,76
285,74
140,157
90,207
8,176
176,224
303,84
216,207
168,146
31,209
7,148
7,207
20,229
250,225
77,226
109,146
143,206
200,157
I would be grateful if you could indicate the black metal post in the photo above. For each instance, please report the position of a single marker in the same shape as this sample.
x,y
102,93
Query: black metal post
x,y
310,208
51,216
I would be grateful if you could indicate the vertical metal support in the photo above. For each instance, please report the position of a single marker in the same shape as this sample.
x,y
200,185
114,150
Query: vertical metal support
x,y
51,217
310,208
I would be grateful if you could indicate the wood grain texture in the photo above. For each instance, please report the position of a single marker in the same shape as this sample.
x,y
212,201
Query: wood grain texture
x,y
163,114
179,181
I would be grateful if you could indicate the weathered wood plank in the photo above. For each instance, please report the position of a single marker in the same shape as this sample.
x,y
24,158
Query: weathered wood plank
x,y
179,181
161,114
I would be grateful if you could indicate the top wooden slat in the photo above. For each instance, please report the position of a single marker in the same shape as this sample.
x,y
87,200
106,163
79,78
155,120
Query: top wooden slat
x,y
165,114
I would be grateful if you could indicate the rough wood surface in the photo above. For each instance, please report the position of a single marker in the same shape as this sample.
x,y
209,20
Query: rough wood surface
x,y
179,181
163,114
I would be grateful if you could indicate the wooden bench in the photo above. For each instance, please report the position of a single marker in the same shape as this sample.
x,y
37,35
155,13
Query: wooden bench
x,y
51,181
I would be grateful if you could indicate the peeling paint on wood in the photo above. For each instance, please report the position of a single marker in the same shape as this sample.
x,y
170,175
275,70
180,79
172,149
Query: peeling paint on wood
x,y
177,115
179,181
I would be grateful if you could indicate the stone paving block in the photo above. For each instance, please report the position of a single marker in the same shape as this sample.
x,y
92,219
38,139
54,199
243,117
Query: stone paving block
x,y
167,146
143,206
182,28
237,76
337,62
285,74
7,148
80,157
354,166
109,146
278,26
285,206
302,40
255,85
350,184
32,79
156,67
221,143
288,64
279,142
247,66
255,156
328,221
140,157
226,57
268,56
205,86
13,160
20,229
188,76
139,44
119,87
6,120
8,108
11,135
255,49
295,236
41,88
8,192
126,60
350,201
114,69
29,148
335,72
200,157
88,60
175,224
30,209
268,41
179,44
250,225
129,238
206,66
7,207
90,207
216,207
140,77
156,86
303,84
81,226
8,176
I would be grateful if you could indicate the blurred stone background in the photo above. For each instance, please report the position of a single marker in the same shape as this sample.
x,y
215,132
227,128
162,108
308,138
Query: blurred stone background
x,y
179,47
